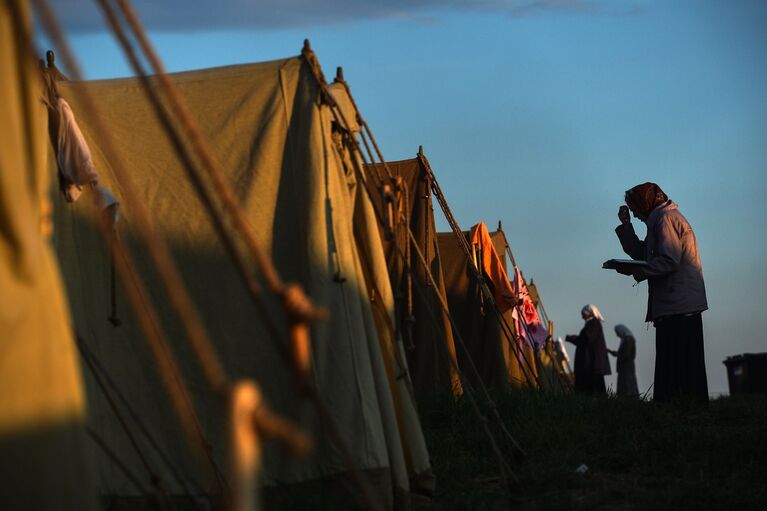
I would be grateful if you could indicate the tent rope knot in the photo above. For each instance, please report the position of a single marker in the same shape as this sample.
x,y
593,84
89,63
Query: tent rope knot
x,y
252,422
300,312
248,399
400,192
299,307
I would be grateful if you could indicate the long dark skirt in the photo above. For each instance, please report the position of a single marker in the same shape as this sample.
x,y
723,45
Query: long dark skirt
x,y
590,384
680,365
627,383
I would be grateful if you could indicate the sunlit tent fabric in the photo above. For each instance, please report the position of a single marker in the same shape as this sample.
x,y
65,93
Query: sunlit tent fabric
x,y
552,368
374,263
42,402
487,342
275,139
420,317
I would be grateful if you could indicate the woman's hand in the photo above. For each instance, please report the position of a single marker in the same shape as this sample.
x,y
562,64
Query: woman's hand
x,y
623,215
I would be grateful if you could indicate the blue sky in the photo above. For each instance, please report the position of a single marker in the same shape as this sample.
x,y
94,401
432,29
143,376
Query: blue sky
x,y
539,113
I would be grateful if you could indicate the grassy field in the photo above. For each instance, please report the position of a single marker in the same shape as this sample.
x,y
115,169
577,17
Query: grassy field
x,y
640,455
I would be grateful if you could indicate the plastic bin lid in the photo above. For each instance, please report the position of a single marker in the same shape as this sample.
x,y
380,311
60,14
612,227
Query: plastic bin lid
x,y
737,359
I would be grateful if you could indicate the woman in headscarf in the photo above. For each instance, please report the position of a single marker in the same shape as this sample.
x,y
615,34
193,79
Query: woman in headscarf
x,y
591,363
627,378
644,199
676,290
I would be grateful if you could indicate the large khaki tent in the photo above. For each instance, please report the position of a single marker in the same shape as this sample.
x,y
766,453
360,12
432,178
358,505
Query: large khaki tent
x,y
42,401
425,326
493,353
277,142
500,359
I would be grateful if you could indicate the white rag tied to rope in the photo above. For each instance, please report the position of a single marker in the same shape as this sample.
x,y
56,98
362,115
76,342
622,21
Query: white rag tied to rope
x,y
75,161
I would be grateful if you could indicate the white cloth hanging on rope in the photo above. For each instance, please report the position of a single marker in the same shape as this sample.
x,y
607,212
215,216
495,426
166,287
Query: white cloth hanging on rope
x,y
76,164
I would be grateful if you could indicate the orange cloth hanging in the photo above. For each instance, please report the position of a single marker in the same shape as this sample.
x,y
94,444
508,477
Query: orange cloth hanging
x,y
492,266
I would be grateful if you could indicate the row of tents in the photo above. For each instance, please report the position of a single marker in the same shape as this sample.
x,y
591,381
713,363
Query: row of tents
x,y
91,394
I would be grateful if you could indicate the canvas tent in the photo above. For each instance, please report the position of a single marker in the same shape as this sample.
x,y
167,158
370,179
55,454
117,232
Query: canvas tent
x,y
492,345
553,368
277,141
42,401
425,326
489,340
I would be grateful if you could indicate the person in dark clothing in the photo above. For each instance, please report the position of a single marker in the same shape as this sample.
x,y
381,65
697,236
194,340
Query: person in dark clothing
x,y
624,366
591,363
677,294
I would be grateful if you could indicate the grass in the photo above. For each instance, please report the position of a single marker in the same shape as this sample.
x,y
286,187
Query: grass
x,y
640,455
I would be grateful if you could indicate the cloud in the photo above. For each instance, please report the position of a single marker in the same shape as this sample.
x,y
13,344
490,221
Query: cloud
x,y
195,15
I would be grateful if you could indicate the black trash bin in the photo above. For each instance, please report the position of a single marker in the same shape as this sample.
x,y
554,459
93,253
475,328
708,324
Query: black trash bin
x,y
747,373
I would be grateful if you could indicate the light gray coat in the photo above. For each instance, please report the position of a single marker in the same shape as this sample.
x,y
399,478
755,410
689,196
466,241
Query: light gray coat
x,y
673,272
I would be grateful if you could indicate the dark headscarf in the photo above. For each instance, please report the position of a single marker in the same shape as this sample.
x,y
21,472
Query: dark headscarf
x,y
644,198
